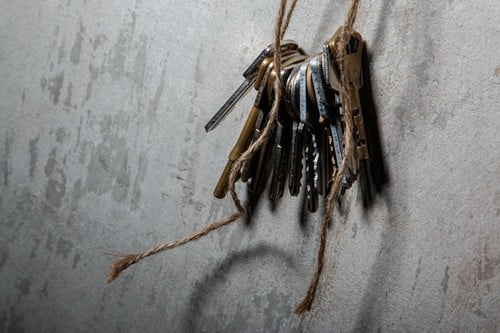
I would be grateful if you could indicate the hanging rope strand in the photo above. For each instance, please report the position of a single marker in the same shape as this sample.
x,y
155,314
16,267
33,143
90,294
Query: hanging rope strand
x,y
288,18
306,303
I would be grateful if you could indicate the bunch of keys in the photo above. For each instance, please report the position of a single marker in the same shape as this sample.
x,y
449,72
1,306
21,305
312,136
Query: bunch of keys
x,y
308,140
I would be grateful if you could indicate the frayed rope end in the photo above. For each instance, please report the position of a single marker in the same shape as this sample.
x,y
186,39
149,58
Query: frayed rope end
x,y
120,265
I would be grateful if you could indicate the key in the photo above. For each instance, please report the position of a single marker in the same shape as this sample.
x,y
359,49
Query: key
x,y
250,75
327,159
296,158
260,178
261,100
353,63
228,106
295,174
312,170
281,155
286,45
283,137
308,116
262,168
329,113
241,145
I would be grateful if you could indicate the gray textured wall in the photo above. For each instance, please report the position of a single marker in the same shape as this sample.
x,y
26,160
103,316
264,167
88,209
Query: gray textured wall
x,y
102,148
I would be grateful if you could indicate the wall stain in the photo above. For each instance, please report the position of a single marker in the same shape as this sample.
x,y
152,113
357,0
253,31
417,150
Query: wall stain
x,y
33,151
104,162
63,247
139,71
60,53
136,192
417,274
76,259
444,281
45,289
51,162
77,46
43,84
24,286
52,42
78,132
4,255
14,322
98,40
122,183
153,103
278,307
34,248
199,75
56,186
76,194
67,101
475,279
152,297
121,48
9,136
425,63
60,135
477,308
406,123
3,319
354,230
50,242
189,158
94,74
54,86
56,190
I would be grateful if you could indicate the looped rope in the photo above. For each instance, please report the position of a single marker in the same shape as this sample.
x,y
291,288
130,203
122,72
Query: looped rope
x,y
128,260
281,26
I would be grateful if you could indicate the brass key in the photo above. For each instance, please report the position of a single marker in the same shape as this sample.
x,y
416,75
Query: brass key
x,y
353,63
240,146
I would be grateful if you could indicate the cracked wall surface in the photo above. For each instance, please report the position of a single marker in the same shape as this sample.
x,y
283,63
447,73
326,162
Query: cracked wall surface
x,y
103,148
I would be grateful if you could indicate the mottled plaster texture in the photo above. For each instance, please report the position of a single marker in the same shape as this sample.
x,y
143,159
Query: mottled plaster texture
x,y
102,147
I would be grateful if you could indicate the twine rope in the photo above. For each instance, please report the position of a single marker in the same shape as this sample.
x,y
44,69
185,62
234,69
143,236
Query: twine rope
x,y
281,26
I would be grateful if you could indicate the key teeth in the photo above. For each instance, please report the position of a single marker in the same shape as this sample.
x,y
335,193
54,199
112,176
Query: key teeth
x,y
296,160
311,153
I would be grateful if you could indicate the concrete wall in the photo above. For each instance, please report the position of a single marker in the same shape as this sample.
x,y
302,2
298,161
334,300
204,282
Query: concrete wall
x,y
103,105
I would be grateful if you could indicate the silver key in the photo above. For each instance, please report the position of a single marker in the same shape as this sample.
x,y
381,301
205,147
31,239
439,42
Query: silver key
x,y
249,74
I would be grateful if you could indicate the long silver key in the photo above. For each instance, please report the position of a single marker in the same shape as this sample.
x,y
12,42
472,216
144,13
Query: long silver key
x,y
249,74
328,112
